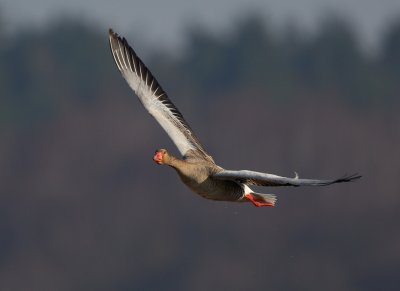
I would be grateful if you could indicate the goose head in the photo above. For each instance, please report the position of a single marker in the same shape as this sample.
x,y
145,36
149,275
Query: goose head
x,y
161,156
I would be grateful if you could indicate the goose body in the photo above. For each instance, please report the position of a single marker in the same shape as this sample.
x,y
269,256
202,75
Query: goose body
x,y
197,168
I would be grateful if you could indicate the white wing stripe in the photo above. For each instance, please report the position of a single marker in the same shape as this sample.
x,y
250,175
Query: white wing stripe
x,y
129,61
140,71
123,64
117,60
151,85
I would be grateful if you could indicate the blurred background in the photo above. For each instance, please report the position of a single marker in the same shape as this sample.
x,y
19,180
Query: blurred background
x,y
275,86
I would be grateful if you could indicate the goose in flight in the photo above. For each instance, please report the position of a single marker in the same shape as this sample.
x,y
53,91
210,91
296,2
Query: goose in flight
x,y
197,168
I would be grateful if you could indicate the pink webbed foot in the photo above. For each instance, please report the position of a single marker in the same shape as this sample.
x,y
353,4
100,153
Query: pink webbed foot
x,y
258,203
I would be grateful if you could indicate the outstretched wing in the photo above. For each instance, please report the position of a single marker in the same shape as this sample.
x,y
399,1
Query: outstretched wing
x,y
153,97
263,179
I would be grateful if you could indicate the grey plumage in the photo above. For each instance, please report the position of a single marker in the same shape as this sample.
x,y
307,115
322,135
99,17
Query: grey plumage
x,y
197,169
264,179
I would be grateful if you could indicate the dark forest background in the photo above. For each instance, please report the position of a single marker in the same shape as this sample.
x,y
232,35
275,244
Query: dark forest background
x,y
83,207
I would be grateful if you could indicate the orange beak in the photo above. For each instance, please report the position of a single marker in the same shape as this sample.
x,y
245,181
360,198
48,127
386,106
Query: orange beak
x,y
158,158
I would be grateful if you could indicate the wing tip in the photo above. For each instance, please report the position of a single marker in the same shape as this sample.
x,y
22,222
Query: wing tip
x,y
112,35
349,178
115,37
344,179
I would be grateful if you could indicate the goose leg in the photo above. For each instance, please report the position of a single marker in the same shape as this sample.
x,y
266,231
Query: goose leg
x,y
258,203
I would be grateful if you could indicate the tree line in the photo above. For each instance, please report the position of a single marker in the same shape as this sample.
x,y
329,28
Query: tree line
x,y
69,58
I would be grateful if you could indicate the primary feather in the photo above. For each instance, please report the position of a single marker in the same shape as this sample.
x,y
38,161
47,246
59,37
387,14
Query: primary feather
x,y
153,97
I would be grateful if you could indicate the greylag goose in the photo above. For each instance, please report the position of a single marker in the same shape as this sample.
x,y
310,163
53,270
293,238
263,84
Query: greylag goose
x,y
197,169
